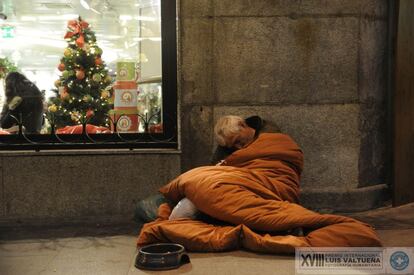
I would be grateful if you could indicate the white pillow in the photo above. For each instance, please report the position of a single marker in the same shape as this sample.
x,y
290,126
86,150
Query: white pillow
x,y
184,209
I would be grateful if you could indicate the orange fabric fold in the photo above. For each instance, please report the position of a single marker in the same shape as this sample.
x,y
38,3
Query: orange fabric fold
x,y
255,193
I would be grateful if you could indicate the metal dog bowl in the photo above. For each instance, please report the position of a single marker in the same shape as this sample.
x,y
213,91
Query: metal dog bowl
x,y
161,256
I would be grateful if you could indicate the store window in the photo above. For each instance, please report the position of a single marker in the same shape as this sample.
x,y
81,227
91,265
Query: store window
x,y
88,73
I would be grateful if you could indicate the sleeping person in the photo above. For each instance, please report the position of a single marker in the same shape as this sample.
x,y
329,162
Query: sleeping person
x,y
252,198
231,133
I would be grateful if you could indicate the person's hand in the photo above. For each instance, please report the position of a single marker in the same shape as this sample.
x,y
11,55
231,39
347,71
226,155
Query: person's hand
x,y
15,102
184,209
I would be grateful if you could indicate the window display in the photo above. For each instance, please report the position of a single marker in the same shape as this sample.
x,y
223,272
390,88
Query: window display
x,y
87,57
97,63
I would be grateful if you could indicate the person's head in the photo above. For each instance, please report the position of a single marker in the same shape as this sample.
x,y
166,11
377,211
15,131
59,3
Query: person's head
x,y
13,80
233,132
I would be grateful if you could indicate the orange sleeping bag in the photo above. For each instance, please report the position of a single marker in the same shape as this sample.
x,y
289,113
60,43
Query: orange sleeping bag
x,y
253,198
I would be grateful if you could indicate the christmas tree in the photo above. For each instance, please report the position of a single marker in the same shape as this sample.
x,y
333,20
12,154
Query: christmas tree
x,y
83,89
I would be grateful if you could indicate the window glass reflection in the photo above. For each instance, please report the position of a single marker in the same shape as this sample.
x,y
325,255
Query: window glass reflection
x,y
94,62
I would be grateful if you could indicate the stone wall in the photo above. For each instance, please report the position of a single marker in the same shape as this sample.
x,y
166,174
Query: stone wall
x,y
46,188
317,68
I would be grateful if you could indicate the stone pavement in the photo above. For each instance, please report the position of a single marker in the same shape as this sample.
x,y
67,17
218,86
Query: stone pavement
x,y
103,250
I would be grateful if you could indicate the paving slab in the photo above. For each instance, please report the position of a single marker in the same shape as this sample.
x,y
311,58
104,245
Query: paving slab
x,y
235,262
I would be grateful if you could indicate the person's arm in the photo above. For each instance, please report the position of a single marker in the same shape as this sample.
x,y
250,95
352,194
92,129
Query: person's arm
x,y
220,153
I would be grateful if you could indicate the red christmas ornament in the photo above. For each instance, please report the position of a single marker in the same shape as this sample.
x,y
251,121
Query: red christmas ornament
x,y
89,113
61,67
98,61
80,74
64,93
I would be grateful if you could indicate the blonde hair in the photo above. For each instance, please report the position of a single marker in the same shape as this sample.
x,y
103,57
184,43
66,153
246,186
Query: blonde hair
x,y
227,126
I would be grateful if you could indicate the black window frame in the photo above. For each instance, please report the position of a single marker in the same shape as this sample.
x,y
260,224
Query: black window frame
x,y
167,139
